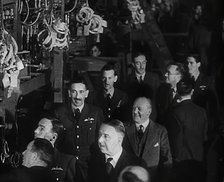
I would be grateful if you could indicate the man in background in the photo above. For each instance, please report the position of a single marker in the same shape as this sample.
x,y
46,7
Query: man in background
x,y
63,165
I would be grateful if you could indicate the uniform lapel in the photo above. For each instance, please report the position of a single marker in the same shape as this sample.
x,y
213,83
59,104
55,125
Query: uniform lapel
x,y
84,112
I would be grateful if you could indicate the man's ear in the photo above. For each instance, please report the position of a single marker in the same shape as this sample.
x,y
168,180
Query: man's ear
x,y
54,137
34,156
115,78
87,93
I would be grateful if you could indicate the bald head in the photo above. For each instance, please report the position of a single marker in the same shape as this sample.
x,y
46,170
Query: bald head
x,y
134,174
141,110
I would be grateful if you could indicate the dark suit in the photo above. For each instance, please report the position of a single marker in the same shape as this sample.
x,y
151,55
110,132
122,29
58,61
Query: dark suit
x,y
80,135
117,106
150,79
147,88
187,131
24,174
97,169
164,101
155,150
64,166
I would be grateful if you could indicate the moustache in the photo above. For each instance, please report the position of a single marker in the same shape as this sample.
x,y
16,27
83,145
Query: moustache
x,y
77,99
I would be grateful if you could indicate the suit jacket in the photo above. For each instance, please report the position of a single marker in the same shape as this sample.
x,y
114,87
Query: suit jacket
x,y
118,105
64,166
205,96
97,169
24,174
151,82
164,101
156,152
79,136
187,131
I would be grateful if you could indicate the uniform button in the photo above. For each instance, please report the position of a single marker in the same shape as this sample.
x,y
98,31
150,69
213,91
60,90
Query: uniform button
x,y
90,128
77,157
109,109
77,126
108,116
77,147
77,136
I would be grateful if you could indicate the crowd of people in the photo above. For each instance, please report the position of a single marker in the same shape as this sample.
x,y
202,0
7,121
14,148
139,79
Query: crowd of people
x,y
148,130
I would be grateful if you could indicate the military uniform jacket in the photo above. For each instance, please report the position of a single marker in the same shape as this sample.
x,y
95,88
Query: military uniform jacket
x,y
205,96
116,108
64,167
79,135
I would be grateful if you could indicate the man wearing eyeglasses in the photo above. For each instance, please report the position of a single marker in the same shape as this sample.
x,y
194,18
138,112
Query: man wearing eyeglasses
x,y
166,95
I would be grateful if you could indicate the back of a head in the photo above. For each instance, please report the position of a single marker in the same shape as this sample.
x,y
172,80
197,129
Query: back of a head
x,y
134,174
44,149
185,86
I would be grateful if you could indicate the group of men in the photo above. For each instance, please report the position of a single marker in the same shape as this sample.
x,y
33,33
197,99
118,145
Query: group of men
x,y
165,128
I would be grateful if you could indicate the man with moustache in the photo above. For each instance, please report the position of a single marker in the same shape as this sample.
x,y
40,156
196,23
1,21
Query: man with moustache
x,y
63,165
81,122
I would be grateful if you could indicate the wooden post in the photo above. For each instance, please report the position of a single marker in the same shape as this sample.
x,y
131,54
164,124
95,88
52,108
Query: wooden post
x,y
57,72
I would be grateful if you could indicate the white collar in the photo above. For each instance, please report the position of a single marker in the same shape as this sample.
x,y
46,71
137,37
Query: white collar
x,y
80,108
111,92
115,157
145,124
138,76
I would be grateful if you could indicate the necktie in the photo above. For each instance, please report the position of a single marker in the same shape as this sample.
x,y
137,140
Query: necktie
x,y
108,100
140,79
140,132
109,166
77,114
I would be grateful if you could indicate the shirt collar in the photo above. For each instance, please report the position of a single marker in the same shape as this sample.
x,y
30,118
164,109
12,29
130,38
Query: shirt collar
x,y
138,76
115,157
145,124
80,108
111,92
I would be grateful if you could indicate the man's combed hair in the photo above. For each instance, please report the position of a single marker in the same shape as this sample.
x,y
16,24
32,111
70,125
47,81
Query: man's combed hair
x,y
196,56
44,150
110,66
57,125
78,79
118,126
136,54
185,86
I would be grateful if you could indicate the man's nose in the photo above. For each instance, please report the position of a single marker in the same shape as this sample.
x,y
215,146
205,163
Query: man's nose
x,y
135,110
100,139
